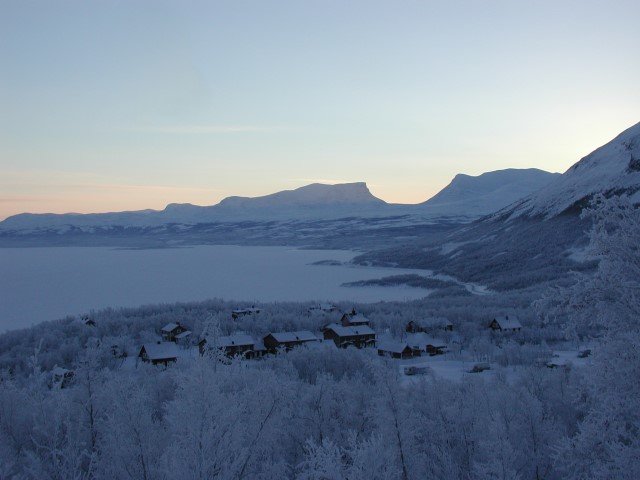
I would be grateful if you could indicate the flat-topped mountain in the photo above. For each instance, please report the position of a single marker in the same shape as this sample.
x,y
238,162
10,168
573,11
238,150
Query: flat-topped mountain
x,y
316,194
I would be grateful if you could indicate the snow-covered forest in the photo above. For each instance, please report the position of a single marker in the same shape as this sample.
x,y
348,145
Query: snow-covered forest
x,y
330,413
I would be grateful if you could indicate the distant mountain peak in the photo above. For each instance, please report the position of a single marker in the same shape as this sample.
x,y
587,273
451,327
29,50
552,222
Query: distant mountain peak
x,y
469,195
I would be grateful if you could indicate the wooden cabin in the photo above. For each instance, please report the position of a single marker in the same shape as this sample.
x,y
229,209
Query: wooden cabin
x,y
183,338
422,343
171,330
417,326
243,312
161,353
238,344
279,341
259,349
389,348
343,337
354,320
505,324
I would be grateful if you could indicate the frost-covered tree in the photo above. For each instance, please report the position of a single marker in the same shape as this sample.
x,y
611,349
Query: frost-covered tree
x,y
607,304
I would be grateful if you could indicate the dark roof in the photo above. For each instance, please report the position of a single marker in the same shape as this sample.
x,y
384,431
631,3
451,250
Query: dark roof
x,y
299,336
237,339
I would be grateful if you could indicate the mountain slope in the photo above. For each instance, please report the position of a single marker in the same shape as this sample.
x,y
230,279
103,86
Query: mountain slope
x,y
486,193
612,169
537,239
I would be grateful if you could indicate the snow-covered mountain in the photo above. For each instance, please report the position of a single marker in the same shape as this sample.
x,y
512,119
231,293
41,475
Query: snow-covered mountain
x,y
611,169
311,201
475,196
536,239
464,199
314,195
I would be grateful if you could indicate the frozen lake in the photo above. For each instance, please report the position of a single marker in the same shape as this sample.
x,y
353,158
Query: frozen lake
x,y
39,284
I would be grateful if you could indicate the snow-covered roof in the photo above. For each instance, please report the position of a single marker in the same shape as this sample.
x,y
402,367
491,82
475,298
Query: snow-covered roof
x,y
507,323
421,340
352,331
259,345
185,334
170,327
358,319
237,339
558,362
59,371
299,336
161,351
392,346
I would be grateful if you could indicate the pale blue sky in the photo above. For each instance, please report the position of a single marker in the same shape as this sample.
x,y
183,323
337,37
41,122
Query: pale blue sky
x,y
111,105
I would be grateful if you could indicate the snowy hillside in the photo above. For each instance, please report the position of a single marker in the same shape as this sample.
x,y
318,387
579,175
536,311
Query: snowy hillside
x,y
613,168
535,240
486,193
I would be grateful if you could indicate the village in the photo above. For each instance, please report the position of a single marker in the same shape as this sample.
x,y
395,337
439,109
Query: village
x,y
350,329
426,346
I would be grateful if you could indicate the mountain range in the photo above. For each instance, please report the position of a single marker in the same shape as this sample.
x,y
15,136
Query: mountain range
x,y
464,199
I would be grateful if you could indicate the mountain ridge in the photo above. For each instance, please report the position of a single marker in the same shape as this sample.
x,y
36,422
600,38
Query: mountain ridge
x,y
315,200
489,191
613,168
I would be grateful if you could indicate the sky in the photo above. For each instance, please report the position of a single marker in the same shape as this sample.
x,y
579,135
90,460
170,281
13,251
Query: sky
x,y
125,105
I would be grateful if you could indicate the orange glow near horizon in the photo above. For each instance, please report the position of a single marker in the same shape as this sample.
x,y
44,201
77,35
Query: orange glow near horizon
x,y
117,198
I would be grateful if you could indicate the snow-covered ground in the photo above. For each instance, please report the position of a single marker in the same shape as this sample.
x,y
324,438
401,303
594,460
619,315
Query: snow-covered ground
x,y
46,283
447,368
